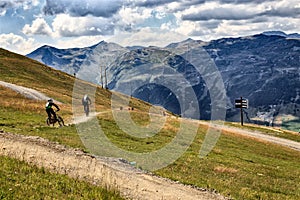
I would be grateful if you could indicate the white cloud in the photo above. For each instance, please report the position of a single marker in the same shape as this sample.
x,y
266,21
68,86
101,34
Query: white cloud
x,y
39,27
67,26
214,10
166,26
35,2
213,19
80,42
17,43
186,27
28,4
14,4
134,15
148,37
174,6
103,8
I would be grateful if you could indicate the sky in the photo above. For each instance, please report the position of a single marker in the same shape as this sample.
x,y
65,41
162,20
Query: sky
x,y
28,24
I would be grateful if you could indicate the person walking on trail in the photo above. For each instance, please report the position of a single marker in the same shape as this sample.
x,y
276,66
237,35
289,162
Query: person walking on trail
x,y
50,110
86,102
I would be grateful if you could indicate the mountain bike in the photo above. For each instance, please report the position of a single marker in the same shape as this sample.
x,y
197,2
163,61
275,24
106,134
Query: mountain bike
x,y
52,121
86,108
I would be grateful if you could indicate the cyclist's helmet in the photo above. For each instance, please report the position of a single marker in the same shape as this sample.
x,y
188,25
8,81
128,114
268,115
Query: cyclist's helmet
x,y
50,100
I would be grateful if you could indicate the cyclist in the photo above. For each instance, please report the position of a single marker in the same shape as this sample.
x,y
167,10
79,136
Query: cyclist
x,y
86,101
50,110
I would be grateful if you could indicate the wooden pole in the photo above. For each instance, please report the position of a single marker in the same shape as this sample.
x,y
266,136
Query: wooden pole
x,y
105,78
101,75
242,115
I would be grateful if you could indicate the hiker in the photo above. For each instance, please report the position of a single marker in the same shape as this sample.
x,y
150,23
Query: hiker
x,y
50,110
86,101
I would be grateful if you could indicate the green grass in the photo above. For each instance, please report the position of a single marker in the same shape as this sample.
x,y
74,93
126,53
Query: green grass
x,y
27,123
23,71
240,168
20,180
131,143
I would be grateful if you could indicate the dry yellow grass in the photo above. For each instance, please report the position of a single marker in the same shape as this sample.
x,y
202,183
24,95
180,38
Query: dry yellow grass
x,y
222,169
12,99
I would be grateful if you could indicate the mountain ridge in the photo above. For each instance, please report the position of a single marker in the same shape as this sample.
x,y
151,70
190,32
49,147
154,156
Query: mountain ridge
x,y
283,34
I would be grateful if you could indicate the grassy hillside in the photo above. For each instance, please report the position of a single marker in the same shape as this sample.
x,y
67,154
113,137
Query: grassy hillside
x,y
25,116
22,71
238,167
20,180
26,72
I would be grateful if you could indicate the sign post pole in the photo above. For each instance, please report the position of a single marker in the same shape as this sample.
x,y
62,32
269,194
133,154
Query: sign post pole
x,y
241,103
242,115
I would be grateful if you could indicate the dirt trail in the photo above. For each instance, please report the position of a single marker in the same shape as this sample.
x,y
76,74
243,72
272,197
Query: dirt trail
x,y
83,118
27,92
111,173
268,138
258,135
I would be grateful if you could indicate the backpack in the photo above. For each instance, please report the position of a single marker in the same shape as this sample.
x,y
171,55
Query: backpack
x,y
48,105
85,99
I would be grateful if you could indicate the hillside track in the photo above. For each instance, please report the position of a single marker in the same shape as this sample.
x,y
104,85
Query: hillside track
x,y
107,172
256,135
27,92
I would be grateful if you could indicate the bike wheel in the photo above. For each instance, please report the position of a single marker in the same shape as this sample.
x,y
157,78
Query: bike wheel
x,y
60,121
86,110
48,121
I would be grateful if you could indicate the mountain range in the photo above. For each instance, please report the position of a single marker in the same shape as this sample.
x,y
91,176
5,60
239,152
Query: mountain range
x,y
262,68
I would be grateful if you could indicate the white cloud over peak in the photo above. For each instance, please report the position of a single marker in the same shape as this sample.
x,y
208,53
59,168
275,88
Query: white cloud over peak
x,y
80,42
68,26
39,27
17,43
148,37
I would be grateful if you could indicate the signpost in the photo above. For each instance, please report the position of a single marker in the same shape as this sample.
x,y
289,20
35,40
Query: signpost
x,y
241,103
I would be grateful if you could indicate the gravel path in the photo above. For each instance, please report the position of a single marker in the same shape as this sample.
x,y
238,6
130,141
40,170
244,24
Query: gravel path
x,y
27,92
107,172
268,138
257,135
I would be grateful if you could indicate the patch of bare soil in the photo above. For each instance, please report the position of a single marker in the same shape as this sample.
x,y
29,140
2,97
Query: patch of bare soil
x,y
106,172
